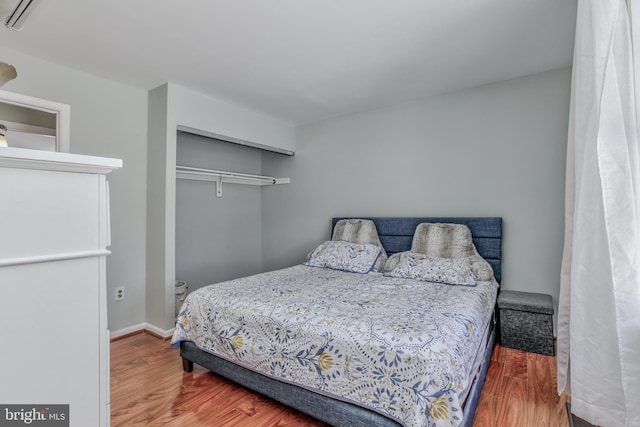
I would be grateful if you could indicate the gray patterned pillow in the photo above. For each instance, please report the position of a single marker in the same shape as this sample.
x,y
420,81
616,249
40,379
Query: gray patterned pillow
x,y
443,240
452,271
450,241
481,268
392,262
360,231
345,256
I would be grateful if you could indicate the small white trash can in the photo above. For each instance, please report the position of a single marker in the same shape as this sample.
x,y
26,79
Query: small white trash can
x,y
181,294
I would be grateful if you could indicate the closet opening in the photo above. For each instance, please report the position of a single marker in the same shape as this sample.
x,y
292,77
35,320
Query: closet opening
x,y
217,238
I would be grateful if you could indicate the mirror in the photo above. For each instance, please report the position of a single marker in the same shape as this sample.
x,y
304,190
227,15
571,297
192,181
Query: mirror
x,y
35,123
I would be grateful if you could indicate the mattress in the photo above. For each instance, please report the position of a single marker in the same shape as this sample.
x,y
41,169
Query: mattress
x,y
407,349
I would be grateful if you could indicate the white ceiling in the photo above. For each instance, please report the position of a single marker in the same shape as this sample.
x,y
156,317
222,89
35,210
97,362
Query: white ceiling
x,y
301,60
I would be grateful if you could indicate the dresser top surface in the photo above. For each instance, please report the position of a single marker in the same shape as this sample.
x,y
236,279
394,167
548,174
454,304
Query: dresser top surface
x,y
46,160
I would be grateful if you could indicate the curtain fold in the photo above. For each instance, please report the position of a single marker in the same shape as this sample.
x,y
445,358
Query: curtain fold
x,y
599,305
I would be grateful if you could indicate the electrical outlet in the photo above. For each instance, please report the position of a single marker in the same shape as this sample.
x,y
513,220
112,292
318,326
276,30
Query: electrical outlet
x,y
119,293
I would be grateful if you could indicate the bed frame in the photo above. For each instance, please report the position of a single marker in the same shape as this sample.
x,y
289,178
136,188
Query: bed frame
x,y
396,235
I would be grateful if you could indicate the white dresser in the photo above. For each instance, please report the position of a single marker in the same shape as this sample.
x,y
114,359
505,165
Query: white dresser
x,y
54,234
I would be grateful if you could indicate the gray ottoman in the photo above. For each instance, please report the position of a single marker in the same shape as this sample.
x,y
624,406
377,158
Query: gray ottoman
x,y
526,321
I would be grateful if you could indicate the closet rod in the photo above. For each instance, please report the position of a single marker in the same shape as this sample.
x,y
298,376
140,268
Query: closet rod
x,y
217,176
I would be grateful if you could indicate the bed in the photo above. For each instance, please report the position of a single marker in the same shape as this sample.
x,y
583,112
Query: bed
x,y
341,389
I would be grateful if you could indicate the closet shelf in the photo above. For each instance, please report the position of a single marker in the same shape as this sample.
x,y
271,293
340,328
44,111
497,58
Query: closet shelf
x,y
200,174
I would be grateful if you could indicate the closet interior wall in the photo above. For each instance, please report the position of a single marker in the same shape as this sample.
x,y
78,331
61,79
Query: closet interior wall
x,y
217,238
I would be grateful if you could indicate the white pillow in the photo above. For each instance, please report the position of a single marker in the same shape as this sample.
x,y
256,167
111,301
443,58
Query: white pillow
x,y
452,271
345,256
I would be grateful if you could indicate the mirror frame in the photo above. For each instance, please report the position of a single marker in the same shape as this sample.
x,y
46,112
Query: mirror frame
x,y
62,112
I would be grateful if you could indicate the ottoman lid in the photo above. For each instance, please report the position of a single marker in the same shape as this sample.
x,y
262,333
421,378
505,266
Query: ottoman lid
x,y
526,301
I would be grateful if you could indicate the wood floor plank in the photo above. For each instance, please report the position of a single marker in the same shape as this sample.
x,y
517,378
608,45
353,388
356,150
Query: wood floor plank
x,y
498,353
540,412
493,381
515,364
149,388
541,407
562,416
486,411
540,376
512,408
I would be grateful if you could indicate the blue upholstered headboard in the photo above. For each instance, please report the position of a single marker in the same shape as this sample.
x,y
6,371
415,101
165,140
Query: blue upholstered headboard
x,y
396,234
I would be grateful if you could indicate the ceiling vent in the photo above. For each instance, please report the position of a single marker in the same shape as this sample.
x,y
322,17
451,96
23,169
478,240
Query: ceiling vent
x,y
20,14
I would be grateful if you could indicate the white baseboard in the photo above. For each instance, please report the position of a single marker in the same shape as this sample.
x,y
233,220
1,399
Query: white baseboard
x,y
162,333
128,330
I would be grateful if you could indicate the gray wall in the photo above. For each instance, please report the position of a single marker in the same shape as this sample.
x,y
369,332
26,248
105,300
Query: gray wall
x,y
156,304
217,238
494,150
107,119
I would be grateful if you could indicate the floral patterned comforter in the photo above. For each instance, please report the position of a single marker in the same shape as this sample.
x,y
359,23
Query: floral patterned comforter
x,y
405,348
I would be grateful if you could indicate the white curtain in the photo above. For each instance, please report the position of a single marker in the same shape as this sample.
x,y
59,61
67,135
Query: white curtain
x,y
599,307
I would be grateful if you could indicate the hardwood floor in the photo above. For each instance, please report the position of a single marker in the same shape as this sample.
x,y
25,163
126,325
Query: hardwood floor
x,y
520,390
149,388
